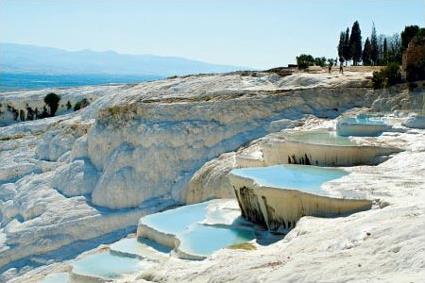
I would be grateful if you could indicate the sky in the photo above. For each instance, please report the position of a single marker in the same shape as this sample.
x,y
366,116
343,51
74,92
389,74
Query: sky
x,y
254,33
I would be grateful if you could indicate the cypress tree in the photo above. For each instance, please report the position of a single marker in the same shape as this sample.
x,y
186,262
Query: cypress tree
x,y
367,50
374,56
347,49
356,43
341,47
385,51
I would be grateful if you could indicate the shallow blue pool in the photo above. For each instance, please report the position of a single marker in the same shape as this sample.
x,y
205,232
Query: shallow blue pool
x,y
61,277
195,237
203,240
106,265
289,176
176,220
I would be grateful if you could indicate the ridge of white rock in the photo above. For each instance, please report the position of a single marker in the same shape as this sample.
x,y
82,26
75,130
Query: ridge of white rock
x,y
82,175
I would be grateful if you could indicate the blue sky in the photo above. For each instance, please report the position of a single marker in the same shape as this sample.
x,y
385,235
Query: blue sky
x,y
261,33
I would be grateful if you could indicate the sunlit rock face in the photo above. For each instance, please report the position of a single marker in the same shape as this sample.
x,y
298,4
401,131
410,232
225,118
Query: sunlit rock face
x,y
150,145
311,143
277,197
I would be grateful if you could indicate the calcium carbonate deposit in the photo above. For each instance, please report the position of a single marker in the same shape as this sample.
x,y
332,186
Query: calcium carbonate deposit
x,y
84,178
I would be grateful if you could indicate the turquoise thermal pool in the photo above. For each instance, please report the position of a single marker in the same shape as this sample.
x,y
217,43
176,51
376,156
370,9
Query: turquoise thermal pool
x,y
175,221
61,277
203,240
196,238
289,176
106,265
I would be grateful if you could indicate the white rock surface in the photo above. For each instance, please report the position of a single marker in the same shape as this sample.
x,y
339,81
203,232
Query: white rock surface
x,y
141,144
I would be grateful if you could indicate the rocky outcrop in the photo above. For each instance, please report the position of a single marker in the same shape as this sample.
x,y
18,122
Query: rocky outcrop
x,y
150,147
133,150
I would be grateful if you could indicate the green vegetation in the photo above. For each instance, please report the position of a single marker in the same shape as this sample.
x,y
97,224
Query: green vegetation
x,y
407,35
81,104
416,71
304,61
388,76
367,53
52,100
356,43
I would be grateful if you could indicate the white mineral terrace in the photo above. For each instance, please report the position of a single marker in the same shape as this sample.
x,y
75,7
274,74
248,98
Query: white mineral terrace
x,y
278,196
326,148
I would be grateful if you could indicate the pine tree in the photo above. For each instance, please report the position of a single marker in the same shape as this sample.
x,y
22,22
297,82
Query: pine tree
x,y
347,49
374,55
367,50
356,43
341,47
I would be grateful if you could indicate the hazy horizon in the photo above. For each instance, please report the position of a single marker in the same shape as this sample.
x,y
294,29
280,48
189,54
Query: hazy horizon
x,y
241,33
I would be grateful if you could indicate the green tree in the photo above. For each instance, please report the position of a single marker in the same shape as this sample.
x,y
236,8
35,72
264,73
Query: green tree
x,y
341,47
374,55
81,104
394,52
388,76
385,52
320,61
367,52
304,61
407,34
356,43
347,47
52,100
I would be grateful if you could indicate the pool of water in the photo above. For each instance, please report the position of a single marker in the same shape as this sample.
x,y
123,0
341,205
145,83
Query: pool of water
x,y
176,220
300,177
203,240
197,238
60,277
319,137
106,265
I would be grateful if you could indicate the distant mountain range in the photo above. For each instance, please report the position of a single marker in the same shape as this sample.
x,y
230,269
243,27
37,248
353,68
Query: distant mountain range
x,y
20,58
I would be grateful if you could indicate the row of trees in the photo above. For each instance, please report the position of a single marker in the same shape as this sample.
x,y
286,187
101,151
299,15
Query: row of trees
x,y
50,108
376,50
